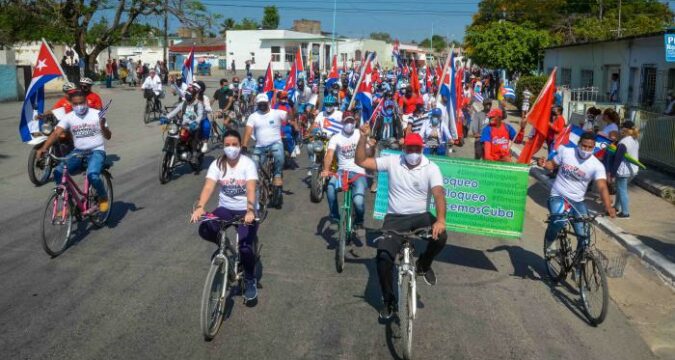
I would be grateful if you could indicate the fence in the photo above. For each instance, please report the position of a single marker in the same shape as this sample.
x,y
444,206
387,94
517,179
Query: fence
x,y
657,138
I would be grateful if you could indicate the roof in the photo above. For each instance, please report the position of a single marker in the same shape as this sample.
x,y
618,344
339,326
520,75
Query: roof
x,y
640,36
205,45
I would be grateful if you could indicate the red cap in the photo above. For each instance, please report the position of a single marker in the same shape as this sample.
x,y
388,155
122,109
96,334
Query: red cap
x,y
495,113
413,139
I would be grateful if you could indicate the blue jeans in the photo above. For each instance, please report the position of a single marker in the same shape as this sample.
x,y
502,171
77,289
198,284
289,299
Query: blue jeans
x,y
556,205
95,161
278,153
440,150
358,194
622,201
205,129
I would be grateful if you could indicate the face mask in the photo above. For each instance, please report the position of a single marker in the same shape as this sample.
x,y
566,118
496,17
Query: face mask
x,y
434,122
188,97
348,128
231,152
263,107
225,87
330,109
413,158
80,110
584,154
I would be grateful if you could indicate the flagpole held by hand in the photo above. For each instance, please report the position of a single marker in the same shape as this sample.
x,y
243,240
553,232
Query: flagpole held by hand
x,y
358,84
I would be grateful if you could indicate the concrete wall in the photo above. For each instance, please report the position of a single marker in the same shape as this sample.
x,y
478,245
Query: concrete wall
x,y
350,46
8,75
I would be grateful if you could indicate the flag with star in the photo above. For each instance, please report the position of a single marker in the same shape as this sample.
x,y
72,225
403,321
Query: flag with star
x,y
46,69
364,93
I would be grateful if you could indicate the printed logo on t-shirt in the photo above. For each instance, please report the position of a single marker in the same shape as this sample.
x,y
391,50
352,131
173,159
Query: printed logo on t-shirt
x,y
85,130
348,151
572,172
233,187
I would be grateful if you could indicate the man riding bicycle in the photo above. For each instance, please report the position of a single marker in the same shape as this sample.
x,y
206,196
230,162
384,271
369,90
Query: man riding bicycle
x,y
412,179
225,97
248,89
265,123
89,134
154,83
576,168
235,176
344,146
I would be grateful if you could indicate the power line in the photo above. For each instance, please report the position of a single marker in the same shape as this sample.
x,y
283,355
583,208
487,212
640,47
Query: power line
x,y
359,10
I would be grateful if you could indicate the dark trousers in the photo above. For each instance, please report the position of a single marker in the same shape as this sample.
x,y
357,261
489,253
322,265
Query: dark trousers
x,y
388,248
478,150
209,231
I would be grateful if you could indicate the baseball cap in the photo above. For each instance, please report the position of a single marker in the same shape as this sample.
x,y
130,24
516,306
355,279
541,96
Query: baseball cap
x,y
261,98
413,139
495,113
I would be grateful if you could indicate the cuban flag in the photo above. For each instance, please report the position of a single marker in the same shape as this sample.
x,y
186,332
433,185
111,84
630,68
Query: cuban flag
x,y
333,77
291,80
364,92
448,91
477,97
509,93
187,72
570,136
299,64
331,125
396,54
46,69
268,85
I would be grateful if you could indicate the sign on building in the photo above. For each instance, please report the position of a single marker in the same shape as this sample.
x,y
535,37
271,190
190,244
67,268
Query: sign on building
x,y
670,47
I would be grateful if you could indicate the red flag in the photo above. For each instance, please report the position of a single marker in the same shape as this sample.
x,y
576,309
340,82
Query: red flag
x,y
292,76
539,117
269,82
429,79
299,65
414,79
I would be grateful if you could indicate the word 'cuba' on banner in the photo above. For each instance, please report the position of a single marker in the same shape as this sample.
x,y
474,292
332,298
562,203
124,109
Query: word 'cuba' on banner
x,y
482,197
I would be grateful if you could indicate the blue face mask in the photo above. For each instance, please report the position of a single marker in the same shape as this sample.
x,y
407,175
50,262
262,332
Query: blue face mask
x,y
80,110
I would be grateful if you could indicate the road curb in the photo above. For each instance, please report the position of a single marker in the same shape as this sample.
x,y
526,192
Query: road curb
x,y
629,241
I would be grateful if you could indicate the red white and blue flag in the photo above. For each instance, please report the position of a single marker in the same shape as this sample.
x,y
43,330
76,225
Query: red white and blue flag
x,y
46,69
291,80
299,64
364,92
570,138
333,77
332,125
396,54
188,70
448,91
268,85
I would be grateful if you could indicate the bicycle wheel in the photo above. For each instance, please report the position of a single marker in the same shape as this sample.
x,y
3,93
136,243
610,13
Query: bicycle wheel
x,y
38,169
147,116
165,168
405,315
555,262
213,299
342,241
263,200
101,218
593,288
57,224
316,186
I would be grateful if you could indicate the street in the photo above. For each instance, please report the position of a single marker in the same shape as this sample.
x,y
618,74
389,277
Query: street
x,y
132,290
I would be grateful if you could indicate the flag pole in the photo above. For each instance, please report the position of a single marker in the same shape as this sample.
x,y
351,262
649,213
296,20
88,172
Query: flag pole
x,y
358,84
445,70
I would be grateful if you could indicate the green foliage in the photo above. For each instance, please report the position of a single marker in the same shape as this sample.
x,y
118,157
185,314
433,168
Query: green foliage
x,y
532,83
383,36
247,24
506,45
440,43
270,17
227,24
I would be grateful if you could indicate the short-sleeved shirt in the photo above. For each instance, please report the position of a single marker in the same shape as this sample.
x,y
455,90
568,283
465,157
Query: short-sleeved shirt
x,y
409,189
86,131
232,182
345,149
223,96
266,127
409,104
94,101
575,174
500,138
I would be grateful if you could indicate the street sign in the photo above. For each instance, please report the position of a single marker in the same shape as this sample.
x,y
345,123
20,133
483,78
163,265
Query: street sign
x,y
670,47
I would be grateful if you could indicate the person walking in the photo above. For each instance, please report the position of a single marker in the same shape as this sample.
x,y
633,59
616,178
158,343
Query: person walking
x,y
108,74
248,66
233,67
621,170
131,72
114,69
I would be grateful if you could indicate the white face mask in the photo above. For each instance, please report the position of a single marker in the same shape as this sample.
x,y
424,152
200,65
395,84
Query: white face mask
x,y
80,110
584,154
413,159
231,152
330,109
348,128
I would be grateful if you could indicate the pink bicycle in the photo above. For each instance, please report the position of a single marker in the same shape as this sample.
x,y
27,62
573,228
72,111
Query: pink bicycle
x,y
67,202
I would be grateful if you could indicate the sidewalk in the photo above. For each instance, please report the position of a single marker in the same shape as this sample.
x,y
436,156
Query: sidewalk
x,y
650,232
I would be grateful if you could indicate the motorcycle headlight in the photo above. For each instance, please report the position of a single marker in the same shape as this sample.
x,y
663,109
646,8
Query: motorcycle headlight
x,y
47,128
173,129
317,146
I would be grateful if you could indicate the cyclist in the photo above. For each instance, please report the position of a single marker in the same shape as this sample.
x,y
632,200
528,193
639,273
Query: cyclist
x,y
343,145
178,87
205,123
89,134
154,84
289,126
303,95
225,97
435,135
235,176
576,168
193,112
265,124
248,89
93,100
412,179
408,102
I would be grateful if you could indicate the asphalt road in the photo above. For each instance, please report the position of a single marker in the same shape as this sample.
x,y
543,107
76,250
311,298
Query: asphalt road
x,y
132,290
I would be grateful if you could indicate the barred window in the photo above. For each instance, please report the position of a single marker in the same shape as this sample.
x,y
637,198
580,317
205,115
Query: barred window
x,y
276,53
586,78
565,77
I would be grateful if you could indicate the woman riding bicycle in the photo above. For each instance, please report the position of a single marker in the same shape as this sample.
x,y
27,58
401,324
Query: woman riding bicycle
x,y
236,177
435,135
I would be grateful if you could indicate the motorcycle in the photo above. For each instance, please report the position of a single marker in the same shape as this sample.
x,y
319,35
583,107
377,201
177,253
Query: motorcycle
x,y
40,169
318,184
181,146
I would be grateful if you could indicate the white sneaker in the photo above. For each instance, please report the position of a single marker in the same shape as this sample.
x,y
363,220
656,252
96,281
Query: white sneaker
x,y
309,172
205,147
296,150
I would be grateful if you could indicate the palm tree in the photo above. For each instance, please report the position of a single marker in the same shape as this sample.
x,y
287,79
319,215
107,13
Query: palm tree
x,y
227,24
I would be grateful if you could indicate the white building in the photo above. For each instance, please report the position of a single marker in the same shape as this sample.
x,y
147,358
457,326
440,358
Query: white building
x,y
278,46
639,62
353,51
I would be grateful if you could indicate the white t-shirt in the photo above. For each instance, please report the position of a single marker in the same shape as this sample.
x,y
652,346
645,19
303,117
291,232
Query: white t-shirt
x,y
345,149
409,189
609,128
575,174
153,83
627,169
266,127
232,184
86,131
321,117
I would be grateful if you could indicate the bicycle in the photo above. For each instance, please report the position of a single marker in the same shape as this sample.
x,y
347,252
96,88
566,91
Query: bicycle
x,y
225,272
345,231
407,283
153,107
69,200
584,261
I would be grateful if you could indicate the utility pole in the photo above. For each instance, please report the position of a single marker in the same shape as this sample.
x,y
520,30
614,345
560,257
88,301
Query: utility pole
x,y
166,32
431,47
618,29
333,50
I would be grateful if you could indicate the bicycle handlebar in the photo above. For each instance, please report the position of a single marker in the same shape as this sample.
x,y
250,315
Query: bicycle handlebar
x,y
67,157
235,221
421,232
589,218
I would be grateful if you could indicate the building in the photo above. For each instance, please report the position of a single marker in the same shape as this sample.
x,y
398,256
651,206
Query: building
x,y
307,26
260,47
637,64
351,52
209,50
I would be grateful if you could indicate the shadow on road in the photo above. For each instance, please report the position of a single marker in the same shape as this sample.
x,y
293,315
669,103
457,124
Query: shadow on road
x,y
328,234
526,264
119,211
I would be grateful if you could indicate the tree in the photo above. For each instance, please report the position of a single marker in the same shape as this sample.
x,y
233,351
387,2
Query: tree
x,y
440,43
247,24
270,17
383,36
227,24
506,45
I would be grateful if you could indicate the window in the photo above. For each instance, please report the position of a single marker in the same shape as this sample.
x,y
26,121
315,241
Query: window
x,y
357,55
276,53
586,78
648,85
290,53
565,77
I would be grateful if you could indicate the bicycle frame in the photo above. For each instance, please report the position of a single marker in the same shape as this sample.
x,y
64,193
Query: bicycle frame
x,y
407,267
71,190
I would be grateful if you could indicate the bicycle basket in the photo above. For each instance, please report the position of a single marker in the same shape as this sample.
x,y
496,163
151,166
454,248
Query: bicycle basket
x,y
148,93
614,262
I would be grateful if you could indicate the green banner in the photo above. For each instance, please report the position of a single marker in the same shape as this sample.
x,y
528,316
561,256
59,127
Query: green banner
x,y
483,197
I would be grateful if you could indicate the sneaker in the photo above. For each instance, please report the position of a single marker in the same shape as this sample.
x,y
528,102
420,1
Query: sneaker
x,y
103,205
623,216
205,147
387,311
429,275
250,289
